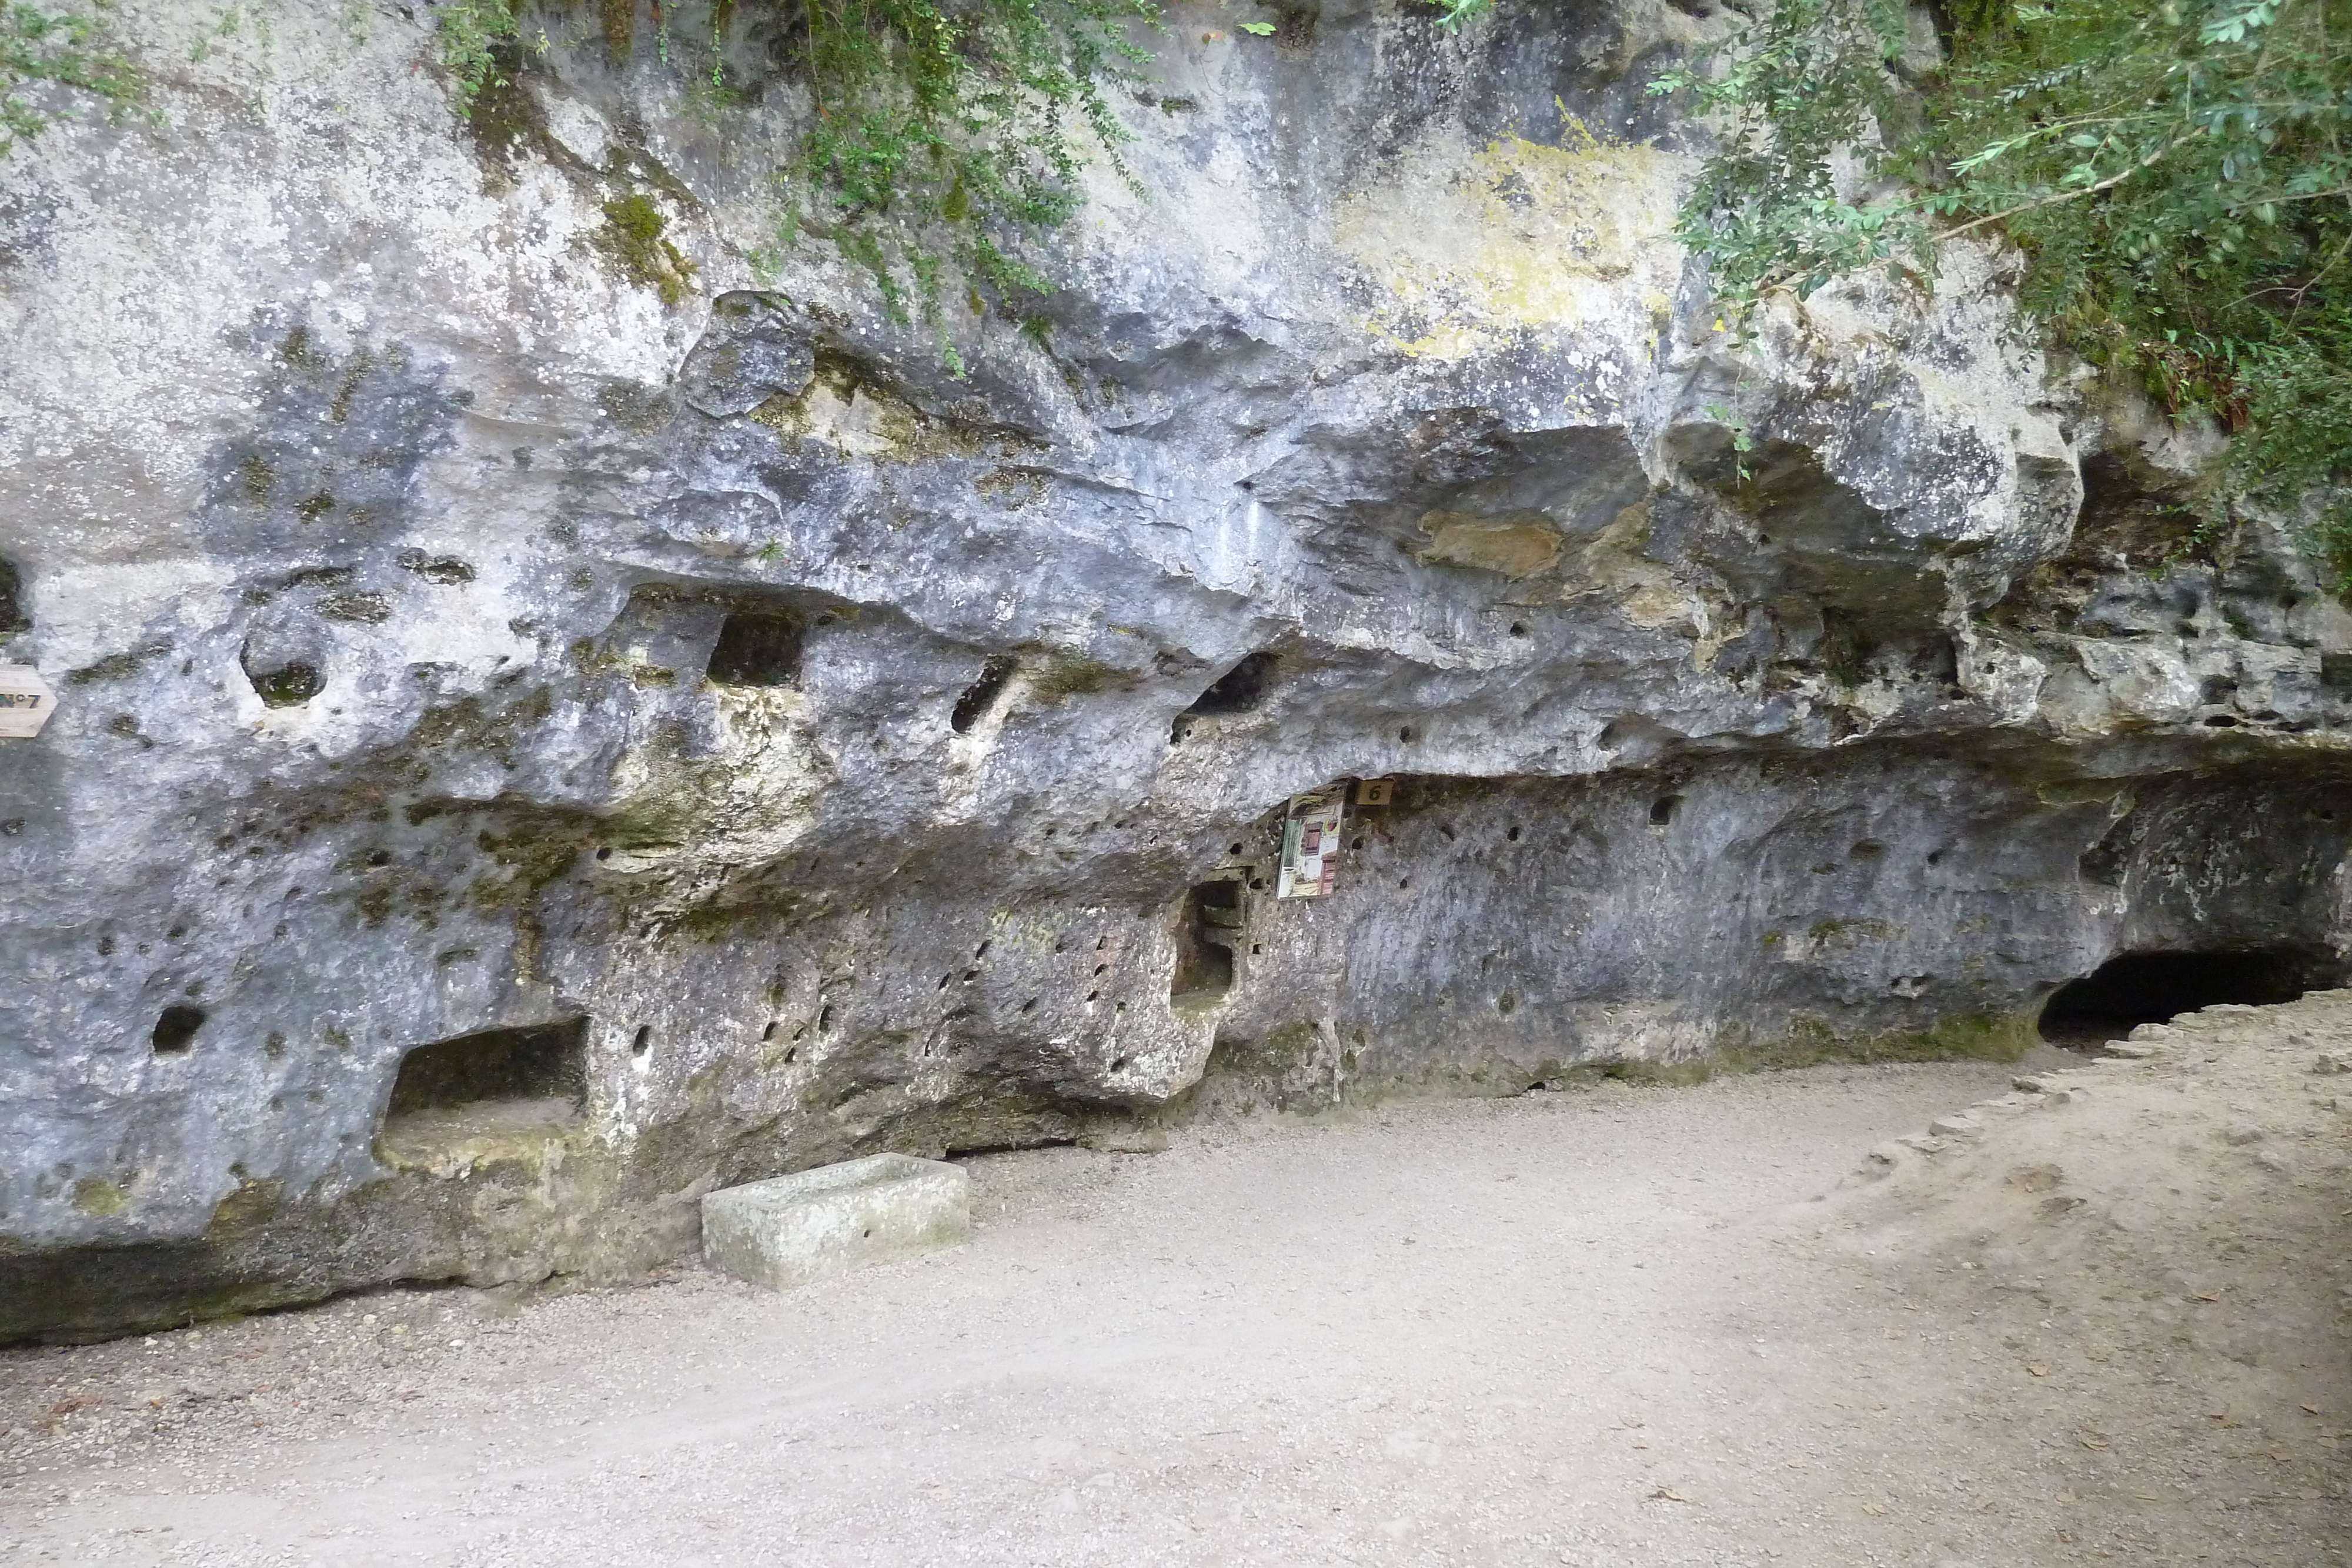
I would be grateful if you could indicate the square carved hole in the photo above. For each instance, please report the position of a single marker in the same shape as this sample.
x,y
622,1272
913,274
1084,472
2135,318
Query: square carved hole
x,y
487,1089
1212,926
758,650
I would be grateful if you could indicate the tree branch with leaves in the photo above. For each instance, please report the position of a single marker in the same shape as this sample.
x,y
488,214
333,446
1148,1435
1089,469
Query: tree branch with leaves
x,y
2177,177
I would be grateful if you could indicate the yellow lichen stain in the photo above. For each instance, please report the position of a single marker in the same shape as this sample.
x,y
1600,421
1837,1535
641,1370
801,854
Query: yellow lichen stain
x,y
1829,939
99,1198
1520,545
243,1209
844,417
1614,565
1472,248
1013,488
854,414
745,801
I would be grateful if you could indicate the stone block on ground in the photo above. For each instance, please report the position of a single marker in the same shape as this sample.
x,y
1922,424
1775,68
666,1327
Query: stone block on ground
x,y
794,1228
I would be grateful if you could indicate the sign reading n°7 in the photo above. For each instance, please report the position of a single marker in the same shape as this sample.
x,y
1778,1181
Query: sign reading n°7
x,y
26,702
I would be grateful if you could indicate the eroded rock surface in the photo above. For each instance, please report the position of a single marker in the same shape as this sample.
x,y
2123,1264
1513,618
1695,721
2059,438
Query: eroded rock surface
x,y
737,742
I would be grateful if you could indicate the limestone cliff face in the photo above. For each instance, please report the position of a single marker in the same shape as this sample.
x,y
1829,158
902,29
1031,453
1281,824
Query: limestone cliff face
x,y
478,612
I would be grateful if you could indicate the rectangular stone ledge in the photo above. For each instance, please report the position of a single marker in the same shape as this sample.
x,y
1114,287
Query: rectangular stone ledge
x,y
795,1229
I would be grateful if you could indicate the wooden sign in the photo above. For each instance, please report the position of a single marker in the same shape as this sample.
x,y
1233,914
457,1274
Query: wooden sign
x,y
26,702
1375,792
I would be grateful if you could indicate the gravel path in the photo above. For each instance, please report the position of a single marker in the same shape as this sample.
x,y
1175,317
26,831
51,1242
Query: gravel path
x,y
1607,1327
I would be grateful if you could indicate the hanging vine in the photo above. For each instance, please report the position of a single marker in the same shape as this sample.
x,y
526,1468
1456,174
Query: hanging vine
x,y
939,136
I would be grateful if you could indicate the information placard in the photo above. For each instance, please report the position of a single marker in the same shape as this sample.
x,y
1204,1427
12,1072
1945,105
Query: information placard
x,y
1310,843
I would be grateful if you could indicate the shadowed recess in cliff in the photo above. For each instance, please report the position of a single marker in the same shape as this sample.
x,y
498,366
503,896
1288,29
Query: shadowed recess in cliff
x,y
1238,690
1812,533
1207,936
980,696
542,1062
175,1030
2134,988
13,618
758,650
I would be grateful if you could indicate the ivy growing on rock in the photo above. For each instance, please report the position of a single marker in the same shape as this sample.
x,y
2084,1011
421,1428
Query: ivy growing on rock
x,y
2177,176
470,32
954,122
938,133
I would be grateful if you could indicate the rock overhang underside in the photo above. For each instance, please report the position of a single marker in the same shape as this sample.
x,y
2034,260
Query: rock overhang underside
x,y
539,743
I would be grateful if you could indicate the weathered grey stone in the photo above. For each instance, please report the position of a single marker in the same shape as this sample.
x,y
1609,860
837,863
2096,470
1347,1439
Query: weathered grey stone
x,y
459,636
791,1229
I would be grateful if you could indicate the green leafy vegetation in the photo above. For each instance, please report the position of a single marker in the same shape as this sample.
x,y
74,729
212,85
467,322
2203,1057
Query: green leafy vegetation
x,y
939,132
1460,11
2176,175
41,50
470,34
952,121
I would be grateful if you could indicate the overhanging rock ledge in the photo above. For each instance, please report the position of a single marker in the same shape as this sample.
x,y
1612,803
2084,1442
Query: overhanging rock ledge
x,y
539,743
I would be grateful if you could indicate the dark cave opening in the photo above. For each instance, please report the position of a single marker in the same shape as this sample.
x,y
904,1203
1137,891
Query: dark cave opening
x,y
1238,690
2134,988
544,1062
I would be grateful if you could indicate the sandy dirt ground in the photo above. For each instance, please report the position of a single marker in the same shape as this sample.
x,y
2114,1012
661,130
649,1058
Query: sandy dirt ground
x,y
2103,1317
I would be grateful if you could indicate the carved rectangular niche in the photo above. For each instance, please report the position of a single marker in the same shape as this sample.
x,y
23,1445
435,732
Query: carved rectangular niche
x,y
471,1096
